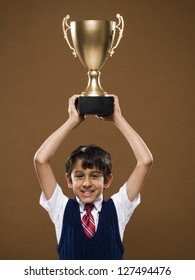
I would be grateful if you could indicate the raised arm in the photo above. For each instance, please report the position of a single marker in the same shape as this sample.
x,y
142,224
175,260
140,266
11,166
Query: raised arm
x,y
142,154
47,150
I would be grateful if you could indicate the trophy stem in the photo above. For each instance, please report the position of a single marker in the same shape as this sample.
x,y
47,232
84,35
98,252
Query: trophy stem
x,y
94,87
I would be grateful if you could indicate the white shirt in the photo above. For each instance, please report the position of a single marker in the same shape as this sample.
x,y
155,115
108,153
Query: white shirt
x,y
55,207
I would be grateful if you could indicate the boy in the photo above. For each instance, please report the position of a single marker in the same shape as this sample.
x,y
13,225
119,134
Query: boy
x,y
87,227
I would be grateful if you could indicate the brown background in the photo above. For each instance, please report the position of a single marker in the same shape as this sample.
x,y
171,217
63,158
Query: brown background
x,y
152,72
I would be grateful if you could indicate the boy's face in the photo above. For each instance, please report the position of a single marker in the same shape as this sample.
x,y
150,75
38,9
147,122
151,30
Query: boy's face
x,y
87,184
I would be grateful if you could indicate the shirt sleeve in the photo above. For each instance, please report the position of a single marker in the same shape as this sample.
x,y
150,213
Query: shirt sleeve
x,y
124,207
55,207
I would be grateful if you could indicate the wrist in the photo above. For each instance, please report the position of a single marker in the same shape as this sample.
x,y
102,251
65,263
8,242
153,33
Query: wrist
x,y
74,121
118,119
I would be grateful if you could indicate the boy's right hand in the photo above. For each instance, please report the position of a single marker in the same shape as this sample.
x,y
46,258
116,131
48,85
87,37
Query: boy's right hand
x,y
72,110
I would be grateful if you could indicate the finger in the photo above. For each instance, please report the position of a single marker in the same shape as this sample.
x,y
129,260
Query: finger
x,y
72,99
99,117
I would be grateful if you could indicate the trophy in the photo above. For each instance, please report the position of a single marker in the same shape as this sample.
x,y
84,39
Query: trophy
x,y
93,42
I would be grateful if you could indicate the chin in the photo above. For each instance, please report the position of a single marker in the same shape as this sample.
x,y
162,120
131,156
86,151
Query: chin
x,y
87,200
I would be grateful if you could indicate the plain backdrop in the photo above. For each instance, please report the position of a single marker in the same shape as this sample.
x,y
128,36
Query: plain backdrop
x,y
152,72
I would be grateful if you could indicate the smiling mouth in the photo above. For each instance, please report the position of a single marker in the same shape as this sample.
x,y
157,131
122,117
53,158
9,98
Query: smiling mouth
x,y
87,192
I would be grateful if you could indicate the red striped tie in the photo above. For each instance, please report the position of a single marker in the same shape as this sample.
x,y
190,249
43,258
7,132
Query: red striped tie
x,y
88,221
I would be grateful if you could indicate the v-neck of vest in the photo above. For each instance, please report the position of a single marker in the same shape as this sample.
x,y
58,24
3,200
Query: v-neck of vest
x,y
97,231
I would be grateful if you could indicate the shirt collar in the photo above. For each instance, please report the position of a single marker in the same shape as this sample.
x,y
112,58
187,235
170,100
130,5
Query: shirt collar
x,y
97,203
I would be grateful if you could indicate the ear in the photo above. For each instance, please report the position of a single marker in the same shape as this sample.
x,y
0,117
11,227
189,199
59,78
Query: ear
x,y
68,180
108,181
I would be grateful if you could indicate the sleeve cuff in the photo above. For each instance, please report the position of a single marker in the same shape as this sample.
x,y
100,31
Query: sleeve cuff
x,y
125,199
48,204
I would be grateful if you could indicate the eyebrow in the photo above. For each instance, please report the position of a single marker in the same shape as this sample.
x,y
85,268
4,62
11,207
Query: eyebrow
x,y
96,171
93,171
78,171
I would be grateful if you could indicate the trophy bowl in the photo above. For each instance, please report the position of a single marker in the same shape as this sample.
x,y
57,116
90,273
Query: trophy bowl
x,y
93,44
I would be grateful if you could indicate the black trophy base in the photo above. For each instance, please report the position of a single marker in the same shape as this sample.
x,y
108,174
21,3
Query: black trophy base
x,y
95,105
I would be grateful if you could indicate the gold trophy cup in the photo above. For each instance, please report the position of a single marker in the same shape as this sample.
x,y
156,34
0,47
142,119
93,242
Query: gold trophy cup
x,y
93,44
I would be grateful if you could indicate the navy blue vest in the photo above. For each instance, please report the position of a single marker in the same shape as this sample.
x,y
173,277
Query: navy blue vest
x,y
106,244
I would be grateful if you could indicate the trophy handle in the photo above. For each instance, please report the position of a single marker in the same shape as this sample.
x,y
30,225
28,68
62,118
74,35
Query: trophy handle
x,y
120,22
66,27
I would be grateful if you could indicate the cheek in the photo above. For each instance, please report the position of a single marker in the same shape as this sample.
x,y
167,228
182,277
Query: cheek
x,y
100,185
76,184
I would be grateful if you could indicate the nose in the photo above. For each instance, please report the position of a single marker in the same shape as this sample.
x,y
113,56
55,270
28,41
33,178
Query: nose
x,y
87,182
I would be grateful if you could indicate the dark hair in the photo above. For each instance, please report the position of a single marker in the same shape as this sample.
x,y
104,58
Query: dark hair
x,y
91,156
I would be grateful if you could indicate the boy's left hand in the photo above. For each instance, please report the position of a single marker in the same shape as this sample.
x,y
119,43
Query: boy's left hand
x,y
116,112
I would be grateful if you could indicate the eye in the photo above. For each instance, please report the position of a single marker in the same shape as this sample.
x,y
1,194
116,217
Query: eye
x,y
79,176
95,175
